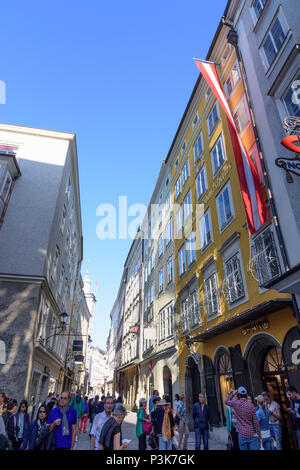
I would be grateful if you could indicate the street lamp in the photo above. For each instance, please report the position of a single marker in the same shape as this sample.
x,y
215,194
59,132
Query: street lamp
x,y
63,319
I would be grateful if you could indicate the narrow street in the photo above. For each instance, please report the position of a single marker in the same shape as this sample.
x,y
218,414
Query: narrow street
x,y
128,432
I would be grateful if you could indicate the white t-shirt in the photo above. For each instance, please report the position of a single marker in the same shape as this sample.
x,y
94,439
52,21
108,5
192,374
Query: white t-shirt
x,y
98,423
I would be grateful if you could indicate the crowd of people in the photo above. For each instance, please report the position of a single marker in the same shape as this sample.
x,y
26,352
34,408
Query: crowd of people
x,y
250,426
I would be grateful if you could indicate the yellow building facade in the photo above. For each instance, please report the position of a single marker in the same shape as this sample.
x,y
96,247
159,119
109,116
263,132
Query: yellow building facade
x,y
231,331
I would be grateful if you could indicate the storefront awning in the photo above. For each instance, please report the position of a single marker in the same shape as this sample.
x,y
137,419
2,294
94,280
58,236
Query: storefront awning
x,y
250,315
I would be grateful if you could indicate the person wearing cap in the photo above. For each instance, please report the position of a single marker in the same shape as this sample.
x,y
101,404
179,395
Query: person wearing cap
x,y
263,416
247,424
151,401
165,424
141,418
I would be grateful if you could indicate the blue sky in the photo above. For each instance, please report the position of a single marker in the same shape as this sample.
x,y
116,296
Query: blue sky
x,y
118,74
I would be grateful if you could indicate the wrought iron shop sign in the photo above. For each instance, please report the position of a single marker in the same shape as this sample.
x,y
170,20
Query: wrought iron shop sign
x,y
262,325
292,143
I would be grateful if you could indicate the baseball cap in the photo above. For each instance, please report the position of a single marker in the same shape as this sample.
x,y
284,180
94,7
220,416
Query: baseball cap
x,y
242,391
142,400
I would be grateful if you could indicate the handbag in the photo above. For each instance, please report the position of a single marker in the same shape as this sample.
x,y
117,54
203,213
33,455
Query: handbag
x,y
147,427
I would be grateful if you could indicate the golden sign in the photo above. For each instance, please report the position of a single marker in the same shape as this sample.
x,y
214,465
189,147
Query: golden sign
x,y
262,325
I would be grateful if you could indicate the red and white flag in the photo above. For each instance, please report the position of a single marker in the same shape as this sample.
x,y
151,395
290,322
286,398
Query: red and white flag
x,y
251,188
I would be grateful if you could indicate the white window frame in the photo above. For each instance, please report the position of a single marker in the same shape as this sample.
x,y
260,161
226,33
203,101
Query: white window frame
x,y
216,170
211,296
231,279
166,323
178,187
185,172
253,12
202,223
187,207
200,186
160,245
195,120
183,148
196,151
260,257
170,270
285,28
226,53
226,187
237,115
211,130
179,218
181,260
169,231
161,281
190,249
230,78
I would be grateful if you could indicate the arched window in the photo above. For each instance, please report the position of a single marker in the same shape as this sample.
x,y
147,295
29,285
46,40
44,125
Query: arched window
x,y
273,361
225,378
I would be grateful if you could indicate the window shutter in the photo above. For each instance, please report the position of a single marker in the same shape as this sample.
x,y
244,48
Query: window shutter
x,y
240,375
209,374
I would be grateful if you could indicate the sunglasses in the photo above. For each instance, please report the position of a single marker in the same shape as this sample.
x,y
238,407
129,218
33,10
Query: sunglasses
x,y
42,411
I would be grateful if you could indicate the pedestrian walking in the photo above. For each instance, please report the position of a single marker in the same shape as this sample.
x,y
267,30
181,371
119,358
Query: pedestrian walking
x,y
111,434
90,415
201,417
263,417
247,424
183,430
99,421
39,430
153,438
231,423
118,401
78,404
164,421
50,395
84,418
142,418
176,400
22,421
98,407
63,421
294,411
151,404
52,403
275,418
10,423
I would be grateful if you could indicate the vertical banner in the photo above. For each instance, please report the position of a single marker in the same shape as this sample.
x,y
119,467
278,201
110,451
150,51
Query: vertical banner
x,y
251,188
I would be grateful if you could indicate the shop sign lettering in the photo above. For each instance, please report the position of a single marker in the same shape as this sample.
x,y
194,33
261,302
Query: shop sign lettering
x,y
263,325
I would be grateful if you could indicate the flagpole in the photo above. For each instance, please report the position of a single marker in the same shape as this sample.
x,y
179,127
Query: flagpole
x,y
206,61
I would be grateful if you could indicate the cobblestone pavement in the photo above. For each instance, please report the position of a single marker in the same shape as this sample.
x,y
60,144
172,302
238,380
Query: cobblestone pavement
x,y
128,432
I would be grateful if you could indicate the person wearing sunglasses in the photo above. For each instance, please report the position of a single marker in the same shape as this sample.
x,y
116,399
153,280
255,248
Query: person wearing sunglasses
x,y
39,430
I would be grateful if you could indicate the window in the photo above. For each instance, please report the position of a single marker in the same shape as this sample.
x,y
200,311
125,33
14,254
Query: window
x,y
55,261
160,218
194,310
184,316
178,187
149,267
224,206
152,260
211,295
207,94
198,146
226,54
170,270
232,80
168,202
273,41
291,100
160,245
68,188
169,231
179,218
63,219
161,281
181,260
212,119
185,172
166,323
234,280
265,257
5,188
241,116
258,6
218,155
205,230
195,120
190,249
187,205
183,148
61,278
152,293
176,163
201,182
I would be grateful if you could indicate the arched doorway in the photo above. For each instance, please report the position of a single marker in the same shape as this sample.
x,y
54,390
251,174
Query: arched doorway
x,y
275,382
167,380
225,379
192,386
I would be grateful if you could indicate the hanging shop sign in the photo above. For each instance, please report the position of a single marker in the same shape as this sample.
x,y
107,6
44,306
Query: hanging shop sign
x,y
77,345
262,325
292,143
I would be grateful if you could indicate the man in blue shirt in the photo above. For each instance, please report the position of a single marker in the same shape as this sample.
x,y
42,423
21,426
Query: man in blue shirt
x,y
63,422
151,403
